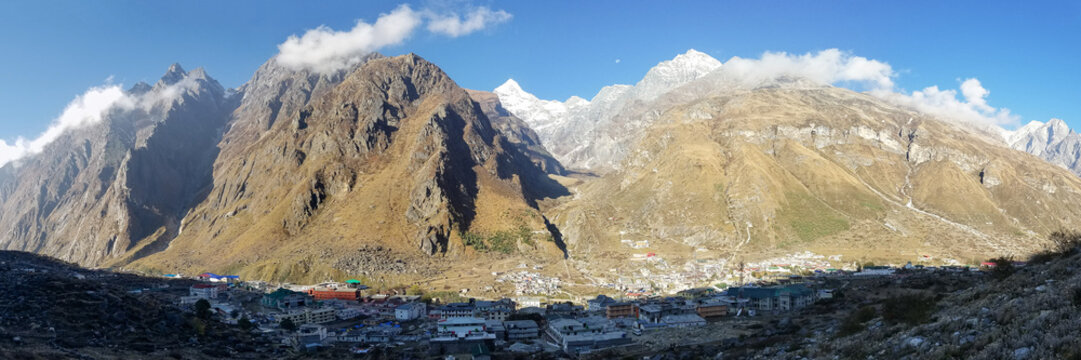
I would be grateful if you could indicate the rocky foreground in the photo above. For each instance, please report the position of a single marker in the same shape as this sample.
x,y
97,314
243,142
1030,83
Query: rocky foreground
x,y
53,310
1005,312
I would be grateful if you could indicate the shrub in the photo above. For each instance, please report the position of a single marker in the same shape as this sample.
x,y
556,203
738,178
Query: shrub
x,y
1042,257
911,309
288,325
245,324
1065,242
202,309
854,322
1003,267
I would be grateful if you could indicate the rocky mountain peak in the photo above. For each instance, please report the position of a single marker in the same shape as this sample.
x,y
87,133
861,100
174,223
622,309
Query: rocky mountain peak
x,y
173,75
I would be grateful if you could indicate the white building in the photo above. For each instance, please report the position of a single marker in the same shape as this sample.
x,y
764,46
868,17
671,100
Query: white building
x,y
347,313
461,328
205,291
410,311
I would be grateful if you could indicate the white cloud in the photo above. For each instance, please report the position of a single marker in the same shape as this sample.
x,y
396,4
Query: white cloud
x,y
325,50
830,66
454,25
91,107
618,61
86,109
836,67
946,105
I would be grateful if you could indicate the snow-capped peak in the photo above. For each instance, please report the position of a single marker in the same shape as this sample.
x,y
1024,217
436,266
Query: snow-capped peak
x,y
680,70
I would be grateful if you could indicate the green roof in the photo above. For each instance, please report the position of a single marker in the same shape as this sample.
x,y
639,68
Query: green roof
x,y
280,293
353,281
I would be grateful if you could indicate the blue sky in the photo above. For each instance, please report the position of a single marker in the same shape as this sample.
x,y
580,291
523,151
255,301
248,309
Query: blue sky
x,y
1025,53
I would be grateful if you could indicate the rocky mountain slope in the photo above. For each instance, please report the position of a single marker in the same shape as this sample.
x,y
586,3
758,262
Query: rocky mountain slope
x,y
391,157
1053,141
517,132
54,310
592,134
119,185
721,171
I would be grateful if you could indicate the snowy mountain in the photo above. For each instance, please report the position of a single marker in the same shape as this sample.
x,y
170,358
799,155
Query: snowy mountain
x,y
589,134
1053,141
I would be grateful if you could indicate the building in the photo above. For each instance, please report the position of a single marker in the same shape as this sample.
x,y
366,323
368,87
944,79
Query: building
x,y
410,311
599,303
497,328
574,336
327,293
206,291
286,299
567,309
875,271
347,313
460,334
493,310
777,298
712,310
309,316
456,310
518,330
621,310
683,320
310,334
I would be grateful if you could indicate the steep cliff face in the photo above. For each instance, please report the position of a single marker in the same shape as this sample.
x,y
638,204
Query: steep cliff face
x,y
119,185
393,155
517,132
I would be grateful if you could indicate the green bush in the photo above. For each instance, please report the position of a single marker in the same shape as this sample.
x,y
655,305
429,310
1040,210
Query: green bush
x,y
911,309
202,309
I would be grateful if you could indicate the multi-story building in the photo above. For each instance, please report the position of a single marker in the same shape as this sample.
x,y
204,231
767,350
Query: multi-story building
x,y
286,299
309,316
587,334
621,310
410,311
778,298
518,330
207,291
460,334
327,293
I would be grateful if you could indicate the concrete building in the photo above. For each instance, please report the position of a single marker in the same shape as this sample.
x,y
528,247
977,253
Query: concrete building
x,y
621,310
777,298
683,320
310,334
712,310
410,311
309,316
456,310
286,299
329,293
519,330
207,291
460,334
574,336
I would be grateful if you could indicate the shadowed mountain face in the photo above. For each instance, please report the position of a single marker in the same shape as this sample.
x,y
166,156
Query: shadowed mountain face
x,y
392,154
121,184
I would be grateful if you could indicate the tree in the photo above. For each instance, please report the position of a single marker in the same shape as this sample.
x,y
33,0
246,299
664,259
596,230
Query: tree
x,y
288,325
234,314
245,324
202,309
